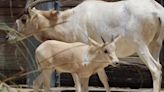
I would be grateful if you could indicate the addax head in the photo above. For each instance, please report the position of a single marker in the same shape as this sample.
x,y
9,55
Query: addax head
x,y
102,53
33,20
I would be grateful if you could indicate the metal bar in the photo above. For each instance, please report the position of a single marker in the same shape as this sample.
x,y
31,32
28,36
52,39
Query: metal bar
x,y
94,89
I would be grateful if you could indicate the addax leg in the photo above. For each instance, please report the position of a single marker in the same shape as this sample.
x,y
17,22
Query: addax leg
x,y
47,77
84,84
37,82
77,82
152,64
104,79
155,48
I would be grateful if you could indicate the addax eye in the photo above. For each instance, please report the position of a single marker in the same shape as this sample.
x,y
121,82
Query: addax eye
x,y
105,51
23,20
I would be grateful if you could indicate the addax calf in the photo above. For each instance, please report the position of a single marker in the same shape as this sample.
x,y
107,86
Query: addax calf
x,y
79,59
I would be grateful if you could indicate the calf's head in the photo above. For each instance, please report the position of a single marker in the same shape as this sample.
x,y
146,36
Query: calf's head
x,y
100,53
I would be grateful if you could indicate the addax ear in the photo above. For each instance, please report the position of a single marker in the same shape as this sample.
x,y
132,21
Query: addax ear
x,y
53,13
116,38
32,11
112,42
49,14
93,42
66,14
94,46
33,16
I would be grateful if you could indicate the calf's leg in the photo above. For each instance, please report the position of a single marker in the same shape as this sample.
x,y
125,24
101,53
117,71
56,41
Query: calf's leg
x,y
37,82
104,79
77,82
84,84
47,77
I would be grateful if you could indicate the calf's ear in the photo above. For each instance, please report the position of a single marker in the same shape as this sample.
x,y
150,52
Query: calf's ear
x,y
94,46
114,40
93,42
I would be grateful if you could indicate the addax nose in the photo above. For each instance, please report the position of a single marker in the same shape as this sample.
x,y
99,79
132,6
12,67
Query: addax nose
x,y
7,37
116,62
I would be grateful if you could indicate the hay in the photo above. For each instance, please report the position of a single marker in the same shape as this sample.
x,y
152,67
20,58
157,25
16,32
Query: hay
x,y
6,88
9,31
6,28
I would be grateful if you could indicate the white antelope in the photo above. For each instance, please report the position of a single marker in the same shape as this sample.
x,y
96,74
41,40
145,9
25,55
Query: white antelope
x,y
77,58
139,22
